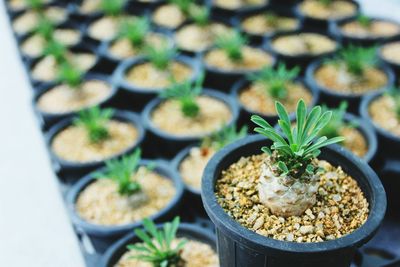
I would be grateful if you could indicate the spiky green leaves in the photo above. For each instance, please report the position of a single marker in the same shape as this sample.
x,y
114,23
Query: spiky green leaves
x,y
223,137
121,172
183,5
186,93
94,121
232,43
364,20
156,247
160,56
135,30
112,7
45,28
275,81
70,75
200,15
336,123
55,49
299,145
357,59
36,5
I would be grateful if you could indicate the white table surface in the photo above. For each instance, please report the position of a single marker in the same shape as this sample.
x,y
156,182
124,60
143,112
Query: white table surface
x,y
34,227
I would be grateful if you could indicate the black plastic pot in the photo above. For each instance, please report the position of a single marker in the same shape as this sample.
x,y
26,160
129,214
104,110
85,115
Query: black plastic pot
x,y
389,144
102,236
190,231
333,98
69,170
160,143
257,39
46,120
301,60
245,112
334,30
226,14
389,172
222,79
323,24
238,246
395,66
110,62
135,97
76,49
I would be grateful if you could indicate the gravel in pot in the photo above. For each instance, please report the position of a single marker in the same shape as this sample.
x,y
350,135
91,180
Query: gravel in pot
x,y
72,93
257,94
381,109
390,54
317,14
190,245
142,78
80,144
354,72
200,32
300,201
21,5
46,69
300,48
231,59
172,14
185,114
27,21
364,30
191,161
226,9
108,203
259,24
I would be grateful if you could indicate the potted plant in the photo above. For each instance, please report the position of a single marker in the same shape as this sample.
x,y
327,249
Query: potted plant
x,y
258,92
72,92
142,78
286,205
16,6
27,21
364,30
226,9
80,144
44,69
260,24
299,48
134,35
200,32
390,54
191,161
33,45
108,203
170,244
353,72
172,14
318,13
231,59
183,114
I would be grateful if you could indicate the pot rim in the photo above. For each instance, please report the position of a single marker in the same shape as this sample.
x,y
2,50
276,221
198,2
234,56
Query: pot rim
x,y
239,233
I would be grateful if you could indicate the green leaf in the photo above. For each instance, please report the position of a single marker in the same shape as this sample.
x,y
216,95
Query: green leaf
x,y
282,166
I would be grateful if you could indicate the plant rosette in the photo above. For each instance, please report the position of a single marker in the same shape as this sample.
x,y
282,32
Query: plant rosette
x,y
33,44
318,14
56,101
198,249
273,219
232,59
365,30
299,48
261,24
85,11
226,9
380,109
354,72
140,81
98,208
44,69
390,54
257,94
28,20
77,147
15,6
169,130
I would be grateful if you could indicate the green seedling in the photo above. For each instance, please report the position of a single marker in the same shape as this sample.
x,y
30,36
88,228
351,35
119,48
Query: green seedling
x,y
232,43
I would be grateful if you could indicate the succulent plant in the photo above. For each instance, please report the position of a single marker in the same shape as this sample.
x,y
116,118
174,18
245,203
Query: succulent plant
x,y
112,7
157,246
135,30
364,20
94,121
275,81
357,59
289,177
68,74
223,137
232,43
336,123
200,15
183,5
186,93
160,56
55,49
36,5
45,28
